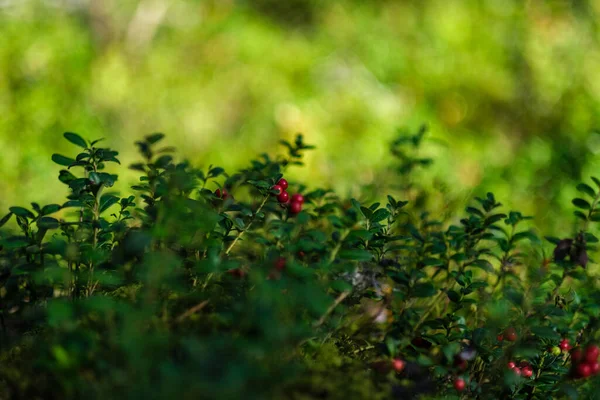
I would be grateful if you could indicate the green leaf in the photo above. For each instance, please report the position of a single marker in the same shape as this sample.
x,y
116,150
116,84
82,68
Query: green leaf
x,y
138,167
50,209
5,219
355,255
545,332
453,296
424,290
494,218
581,203
155,138
475,211
75,139
341,286
21,212
107,201
366,212
96,141
95,178
483,264
164,161
432,262
524,235
552,239
72,203
355,204
595,217
582,187
239,223
62,160
47,223
380,215
580,215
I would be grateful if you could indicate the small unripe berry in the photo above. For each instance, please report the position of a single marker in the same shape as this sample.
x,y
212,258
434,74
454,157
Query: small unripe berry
x,y
564,345
555,351
280,264
298,198
283,197
510,334
584,370
459,384
295,207
283,183
527,371
591,353
278,189
398,364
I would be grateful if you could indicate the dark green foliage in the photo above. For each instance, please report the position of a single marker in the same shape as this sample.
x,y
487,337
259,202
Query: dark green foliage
x,y
175,292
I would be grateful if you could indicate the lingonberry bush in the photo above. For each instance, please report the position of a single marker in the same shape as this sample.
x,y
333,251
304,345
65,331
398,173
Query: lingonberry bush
x,y
205,284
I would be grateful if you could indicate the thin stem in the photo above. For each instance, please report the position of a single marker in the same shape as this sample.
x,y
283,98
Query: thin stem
x,y
247,227
337,301
96,217
191,311
338,246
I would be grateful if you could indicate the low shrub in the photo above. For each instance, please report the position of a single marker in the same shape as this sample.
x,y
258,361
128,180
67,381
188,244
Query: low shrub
x,y
209,285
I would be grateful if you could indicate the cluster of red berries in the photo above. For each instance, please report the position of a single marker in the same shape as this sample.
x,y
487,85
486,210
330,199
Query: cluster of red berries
x,y
585,363
295,202
564,345
221,193
523,369
398,365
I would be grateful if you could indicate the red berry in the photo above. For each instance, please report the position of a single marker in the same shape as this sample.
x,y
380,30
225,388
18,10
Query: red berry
x,y
298,198
295,207
280,264
398,364
237,272
523,364
221,193
459,384
421,343
527,371
460,363
591,353
500,337
511,365
517,371
283,197
595,367
564,345
283,183
277,188
584,370
576,355
510,334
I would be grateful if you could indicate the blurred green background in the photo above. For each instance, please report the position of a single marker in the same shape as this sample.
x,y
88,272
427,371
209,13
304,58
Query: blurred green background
x,y
509,88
